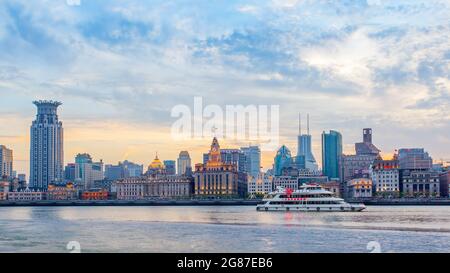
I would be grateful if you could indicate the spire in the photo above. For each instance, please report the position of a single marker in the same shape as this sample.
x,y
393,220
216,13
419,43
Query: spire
x,y
307,124
299,124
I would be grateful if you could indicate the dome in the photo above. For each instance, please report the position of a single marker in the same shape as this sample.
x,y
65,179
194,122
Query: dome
x,y
156,164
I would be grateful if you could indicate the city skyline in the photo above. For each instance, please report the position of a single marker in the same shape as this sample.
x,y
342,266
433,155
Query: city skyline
x,y
267,158
351,66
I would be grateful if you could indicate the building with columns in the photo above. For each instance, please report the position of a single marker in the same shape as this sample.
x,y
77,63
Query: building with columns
x,y
219,179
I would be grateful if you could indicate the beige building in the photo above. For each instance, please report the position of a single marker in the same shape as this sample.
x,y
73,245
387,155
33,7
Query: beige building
x,y
216,178
153,186
6,162
287,182
261,184
26,195
359,188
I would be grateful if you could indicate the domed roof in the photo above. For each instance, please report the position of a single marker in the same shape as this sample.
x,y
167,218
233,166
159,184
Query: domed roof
x,y
156,164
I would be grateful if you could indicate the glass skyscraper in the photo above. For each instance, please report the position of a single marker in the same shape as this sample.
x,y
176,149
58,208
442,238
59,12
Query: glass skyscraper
x,y
331,152
305,147
46,146
283,159
252,160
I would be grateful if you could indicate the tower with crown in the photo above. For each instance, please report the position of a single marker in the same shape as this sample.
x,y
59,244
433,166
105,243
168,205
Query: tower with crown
x,y
218,179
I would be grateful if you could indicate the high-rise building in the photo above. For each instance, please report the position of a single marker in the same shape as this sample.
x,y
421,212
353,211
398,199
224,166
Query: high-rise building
x,y
115,172
305,147
414,159
69,172
170,167
184,163
46,147
6,162
282,160
87,171
252,155
331,152
216,178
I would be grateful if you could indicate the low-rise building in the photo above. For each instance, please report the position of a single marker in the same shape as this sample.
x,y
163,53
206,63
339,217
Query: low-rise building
x,y
95,194
26,195
287,182
359,188
420,183
154,186
4,189
62,191
260,184
444,179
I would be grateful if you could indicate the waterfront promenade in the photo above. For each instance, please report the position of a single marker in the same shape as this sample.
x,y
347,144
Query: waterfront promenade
x,y
224,202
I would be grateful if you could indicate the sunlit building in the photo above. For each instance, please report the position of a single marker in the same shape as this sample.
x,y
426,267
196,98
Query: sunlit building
x,y
184,165
359,188
385,176
219,179
46,147
260,184
62,191
6,162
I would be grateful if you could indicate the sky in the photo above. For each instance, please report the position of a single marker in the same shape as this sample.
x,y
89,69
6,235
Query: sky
x,y
119,67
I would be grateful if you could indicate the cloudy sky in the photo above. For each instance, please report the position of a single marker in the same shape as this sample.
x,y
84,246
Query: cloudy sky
x,y
119,67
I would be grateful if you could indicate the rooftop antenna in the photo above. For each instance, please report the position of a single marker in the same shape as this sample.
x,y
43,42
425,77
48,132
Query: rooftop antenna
x,y
299,124
307,123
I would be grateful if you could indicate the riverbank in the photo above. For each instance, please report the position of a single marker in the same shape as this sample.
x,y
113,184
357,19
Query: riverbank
x,y
234,202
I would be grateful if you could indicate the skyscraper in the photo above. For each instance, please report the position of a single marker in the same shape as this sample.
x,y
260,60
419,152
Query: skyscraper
x,y
252,160
6,162
184,163
331,152
170,167
46,147
283,159
305,147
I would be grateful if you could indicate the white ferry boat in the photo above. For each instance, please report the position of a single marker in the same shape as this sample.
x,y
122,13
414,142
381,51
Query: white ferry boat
x,y
308,198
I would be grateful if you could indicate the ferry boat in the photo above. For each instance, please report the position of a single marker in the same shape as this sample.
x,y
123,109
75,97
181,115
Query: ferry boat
x,y
312,198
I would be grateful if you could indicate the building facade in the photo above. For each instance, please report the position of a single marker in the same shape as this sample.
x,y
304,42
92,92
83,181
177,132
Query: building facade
x,y
46,147
252,156
6,162
385,177
171,168
4,190
62,191
282,160
331,152
260,184
359,188
154,187
414,159
87,171
217,178
27,195
420,183
444,180
184,164
95,194
287,182
304,147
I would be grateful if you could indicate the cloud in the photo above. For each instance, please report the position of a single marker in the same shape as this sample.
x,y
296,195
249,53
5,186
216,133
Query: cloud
x,y
350,64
